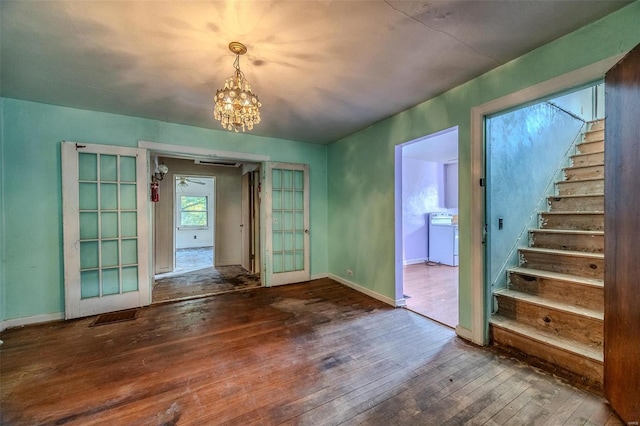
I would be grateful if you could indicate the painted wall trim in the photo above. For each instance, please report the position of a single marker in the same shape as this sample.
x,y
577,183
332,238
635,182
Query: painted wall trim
x,y
187,152
465,333
480,294
414,261
37,319
368,292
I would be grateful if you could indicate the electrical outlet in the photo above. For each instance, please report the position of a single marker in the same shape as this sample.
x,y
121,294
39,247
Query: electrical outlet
x,y
349,272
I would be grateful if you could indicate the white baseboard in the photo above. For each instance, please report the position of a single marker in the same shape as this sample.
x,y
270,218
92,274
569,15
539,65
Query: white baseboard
x,y
17,322
414,261
228,262
368,292
465,333
319,276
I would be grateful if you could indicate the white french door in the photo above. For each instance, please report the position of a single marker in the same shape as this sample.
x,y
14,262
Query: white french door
x,y
105,228
287,223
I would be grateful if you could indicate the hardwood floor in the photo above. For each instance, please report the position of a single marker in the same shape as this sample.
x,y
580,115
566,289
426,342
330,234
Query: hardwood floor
x,y
432,291
305,354
203,282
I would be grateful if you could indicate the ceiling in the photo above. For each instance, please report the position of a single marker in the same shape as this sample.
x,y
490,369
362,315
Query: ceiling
x,y
323,69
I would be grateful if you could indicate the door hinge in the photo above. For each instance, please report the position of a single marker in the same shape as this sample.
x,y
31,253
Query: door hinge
x,y
482,182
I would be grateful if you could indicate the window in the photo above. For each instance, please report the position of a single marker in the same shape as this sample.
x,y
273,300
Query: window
x,y
194,211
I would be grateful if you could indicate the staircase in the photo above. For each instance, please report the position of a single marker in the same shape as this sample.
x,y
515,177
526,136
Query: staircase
x,y
553,307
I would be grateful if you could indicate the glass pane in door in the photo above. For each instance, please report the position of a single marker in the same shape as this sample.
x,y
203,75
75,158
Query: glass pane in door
x,y
288,220
108,224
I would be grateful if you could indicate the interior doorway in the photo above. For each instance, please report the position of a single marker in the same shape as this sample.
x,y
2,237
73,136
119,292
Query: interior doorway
x,y
199,229
527,151
427,225
194,223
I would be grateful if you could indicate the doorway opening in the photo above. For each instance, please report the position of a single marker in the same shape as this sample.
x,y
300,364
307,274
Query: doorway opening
x,y
194,223
427,225
206,214
528,150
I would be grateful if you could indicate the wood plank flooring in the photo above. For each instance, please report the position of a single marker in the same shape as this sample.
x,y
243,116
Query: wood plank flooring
x,y
203,282
314,353
432,291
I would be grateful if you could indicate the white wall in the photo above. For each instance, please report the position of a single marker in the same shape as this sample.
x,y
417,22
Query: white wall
x,y
201,237
587,104
423,192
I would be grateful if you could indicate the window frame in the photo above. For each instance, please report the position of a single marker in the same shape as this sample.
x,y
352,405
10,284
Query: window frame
x,y
180,211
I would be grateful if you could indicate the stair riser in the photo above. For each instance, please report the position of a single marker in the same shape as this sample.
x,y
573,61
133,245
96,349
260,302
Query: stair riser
x,y
564,264
596,125
574,222
580,187
559,323
575,242
594,203
589,147
594,135
588,159
590,297
590,371
590,172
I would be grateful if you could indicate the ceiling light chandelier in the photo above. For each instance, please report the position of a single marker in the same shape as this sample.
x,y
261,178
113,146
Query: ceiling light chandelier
x,y
236,107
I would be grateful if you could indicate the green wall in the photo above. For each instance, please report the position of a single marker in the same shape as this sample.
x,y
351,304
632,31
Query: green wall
x,y
33,264
352,181
361,166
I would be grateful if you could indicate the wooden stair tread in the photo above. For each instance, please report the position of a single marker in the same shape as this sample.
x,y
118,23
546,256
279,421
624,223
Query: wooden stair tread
x,y
587,153
595,125
593,136
572,212
590,166
592,282
563,252
566,231
581,180
530,332
588,142
551,304
576,195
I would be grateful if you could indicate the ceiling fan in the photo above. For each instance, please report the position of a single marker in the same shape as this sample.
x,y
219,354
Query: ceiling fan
x,y
183,181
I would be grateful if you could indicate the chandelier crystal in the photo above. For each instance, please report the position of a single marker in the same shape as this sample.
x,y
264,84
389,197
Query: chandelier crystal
x,y
236,107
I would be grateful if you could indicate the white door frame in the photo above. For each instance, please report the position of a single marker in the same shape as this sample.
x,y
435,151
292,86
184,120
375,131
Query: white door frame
x,y
192,153
398,204
481,294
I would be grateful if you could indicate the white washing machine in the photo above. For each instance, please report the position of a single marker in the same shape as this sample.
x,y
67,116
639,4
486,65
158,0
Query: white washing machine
x,y
443,239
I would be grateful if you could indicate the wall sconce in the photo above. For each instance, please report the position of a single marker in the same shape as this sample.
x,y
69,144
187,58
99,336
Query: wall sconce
x,y
159,172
